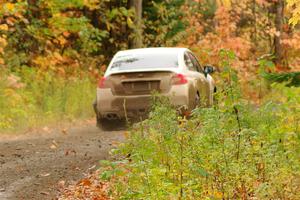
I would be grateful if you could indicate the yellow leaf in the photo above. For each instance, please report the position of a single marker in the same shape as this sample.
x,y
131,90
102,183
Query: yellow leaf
x,y
3,27
3,42
92,4
129,22
226,3
62,40
10,6
56,15
108,26
218,195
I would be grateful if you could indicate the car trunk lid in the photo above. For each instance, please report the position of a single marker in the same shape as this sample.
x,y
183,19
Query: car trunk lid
x,y
140,83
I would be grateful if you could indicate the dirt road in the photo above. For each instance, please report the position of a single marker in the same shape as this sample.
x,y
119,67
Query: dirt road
x,y
33,167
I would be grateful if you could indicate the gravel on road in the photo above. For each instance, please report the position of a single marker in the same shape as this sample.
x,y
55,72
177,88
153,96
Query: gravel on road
x,y
35,166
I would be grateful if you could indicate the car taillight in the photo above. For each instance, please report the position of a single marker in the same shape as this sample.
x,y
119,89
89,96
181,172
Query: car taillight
x,y
102,83
179,79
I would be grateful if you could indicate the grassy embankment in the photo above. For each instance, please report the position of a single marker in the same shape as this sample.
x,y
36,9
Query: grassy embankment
x,y
42,98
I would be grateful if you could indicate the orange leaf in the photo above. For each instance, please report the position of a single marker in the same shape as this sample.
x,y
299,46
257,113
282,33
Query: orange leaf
x,y
85,182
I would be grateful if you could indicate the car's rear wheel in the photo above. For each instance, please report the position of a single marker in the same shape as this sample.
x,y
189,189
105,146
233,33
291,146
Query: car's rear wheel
x,y
110,125
215,99
194,103
197,100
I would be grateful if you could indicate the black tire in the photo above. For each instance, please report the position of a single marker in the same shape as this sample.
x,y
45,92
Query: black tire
x,y
186,112
197,100
110,125
214,97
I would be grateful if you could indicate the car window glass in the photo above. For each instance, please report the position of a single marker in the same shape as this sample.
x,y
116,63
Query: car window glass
x,y
145,60
189,63
196,62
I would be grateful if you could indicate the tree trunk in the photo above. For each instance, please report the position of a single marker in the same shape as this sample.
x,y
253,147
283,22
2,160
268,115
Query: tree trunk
x,y
254,33
137,40
278,24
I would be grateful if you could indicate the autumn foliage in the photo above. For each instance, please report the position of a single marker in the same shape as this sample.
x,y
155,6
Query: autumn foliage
x,y
68,37
245,27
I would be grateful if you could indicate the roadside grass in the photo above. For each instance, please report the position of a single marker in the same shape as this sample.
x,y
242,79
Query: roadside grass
x,y
43,98
234,150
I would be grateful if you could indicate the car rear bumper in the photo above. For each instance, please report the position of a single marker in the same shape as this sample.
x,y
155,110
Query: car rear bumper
x,y
111,107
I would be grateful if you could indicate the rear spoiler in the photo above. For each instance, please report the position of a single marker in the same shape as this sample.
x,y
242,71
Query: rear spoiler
x,y
110,72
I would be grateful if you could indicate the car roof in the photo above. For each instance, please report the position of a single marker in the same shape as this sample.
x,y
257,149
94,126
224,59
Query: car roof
x,y
175,50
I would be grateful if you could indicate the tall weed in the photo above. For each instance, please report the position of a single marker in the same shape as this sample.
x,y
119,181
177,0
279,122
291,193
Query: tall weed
x,y
45,98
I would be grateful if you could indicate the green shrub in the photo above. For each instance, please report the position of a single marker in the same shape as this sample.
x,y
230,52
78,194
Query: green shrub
x,y
235,150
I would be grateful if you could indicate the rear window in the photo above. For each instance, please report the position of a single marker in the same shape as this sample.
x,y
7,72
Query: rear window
x,y
145,61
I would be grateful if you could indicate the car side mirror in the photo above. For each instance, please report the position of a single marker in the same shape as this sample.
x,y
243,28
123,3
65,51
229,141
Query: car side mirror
x,y
208,69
